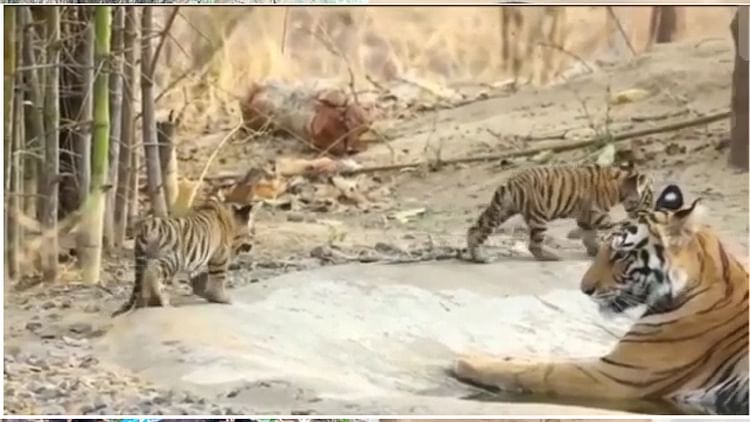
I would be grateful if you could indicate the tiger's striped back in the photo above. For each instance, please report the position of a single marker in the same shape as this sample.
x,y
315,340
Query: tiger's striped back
x,y
210,235
543,194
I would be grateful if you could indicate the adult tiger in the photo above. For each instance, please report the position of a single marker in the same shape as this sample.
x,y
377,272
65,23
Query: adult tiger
x,y
543,194
691,344
210,235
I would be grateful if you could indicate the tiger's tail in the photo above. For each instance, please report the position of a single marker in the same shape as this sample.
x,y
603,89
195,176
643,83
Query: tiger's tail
x,y
495,214
142,256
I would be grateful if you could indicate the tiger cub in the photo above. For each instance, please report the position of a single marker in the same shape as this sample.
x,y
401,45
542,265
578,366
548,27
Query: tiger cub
x,y
210,235
542,194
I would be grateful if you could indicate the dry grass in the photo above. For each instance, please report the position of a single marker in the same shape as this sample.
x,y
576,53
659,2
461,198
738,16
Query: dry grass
x,y
228,48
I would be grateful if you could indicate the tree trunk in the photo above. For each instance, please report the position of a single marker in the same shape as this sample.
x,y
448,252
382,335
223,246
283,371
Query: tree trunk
x,y
125,163
82,137
153,168
51,150
9,66
664,21
95,212
168,158
738,149
115,117
34,120
10,132
15,233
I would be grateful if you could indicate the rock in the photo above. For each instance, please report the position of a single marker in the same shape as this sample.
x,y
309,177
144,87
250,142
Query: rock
x,y
81,328
48,305
295,217
33,326
88,361
74,342
91,308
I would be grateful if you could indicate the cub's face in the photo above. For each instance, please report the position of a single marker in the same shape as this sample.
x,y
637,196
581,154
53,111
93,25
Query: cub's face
x,y
641,262
244,227
637,193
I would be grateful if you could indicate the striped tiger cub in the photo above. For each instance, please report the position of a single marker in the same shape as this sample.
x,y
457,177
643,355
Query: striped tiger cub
x,y
210,235
543,194
689,347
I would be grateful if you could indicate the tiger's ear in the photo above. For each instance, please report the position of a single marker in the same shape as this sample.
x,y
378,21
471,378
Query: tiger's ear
x,y
628,166
670,199
244,211
684,223
635,183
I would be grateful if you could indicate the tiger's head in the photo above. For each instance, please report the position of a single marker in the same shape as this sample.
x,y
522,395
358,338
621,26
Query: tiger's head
x,y
647,260
243,218
636,192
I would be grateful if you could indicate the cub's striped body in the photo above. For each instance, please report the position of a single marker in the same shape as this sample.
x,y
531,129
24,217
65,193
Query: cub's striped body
x,y
209,236
689,347
543,194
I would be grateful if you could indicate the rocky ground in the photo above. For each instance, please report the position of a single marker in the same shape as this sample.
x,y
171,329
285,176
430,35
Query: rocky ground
x,y
49,363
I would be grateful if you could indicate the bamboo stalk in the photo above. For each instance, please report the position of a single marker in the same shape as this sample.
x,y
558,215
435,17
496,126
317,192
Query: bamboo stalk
x,y
100,154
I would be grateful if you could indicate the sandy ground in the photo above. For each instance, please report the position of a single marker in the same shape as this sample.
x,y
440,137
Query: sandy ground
x,y
61,347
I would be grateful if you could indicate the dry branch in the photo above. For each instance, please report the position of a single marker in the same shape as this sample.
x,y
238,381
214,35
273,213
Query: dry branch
x,y
558,147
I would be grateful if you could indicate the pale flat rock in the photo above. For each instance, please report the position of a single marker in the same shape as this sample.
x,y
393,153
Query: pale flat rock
x,y
372,339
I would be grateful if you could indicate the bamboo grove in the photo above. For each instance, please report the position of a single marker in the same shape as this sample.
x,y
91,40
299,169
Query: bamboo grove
x,y
78,87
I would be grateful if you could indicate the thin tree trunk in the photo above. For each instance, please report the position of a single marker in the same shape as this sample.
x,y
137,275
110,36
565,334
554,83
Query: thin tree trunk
x,y
95,212
34,120
115,117
148,121
51,151
82,137
10,131
168,158
738,149
663,25
15,233
127,151
9,66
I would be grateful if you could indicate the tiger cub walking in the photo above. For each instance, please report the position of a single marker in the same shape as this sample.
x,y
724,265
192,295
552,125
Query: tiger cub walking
x,y
543,194
210,235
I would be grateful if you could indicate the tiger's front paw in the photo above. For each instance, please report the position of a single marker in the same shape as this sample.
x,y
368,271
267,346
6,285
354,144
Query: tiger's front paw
x,y
475,255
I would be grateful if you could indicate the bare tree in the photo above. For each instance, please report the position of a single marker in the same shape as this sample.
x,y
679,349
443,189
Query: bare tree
x,y
148,121
738,150
34,120
115,117
165,131
95,212
10,131
82,138
128,154
51,151
663,26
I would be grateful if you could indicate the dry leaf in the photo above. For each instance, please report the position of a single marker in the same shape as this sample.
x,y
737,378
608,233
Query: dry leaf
x,y
629,96
605,157
407,215
542,157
